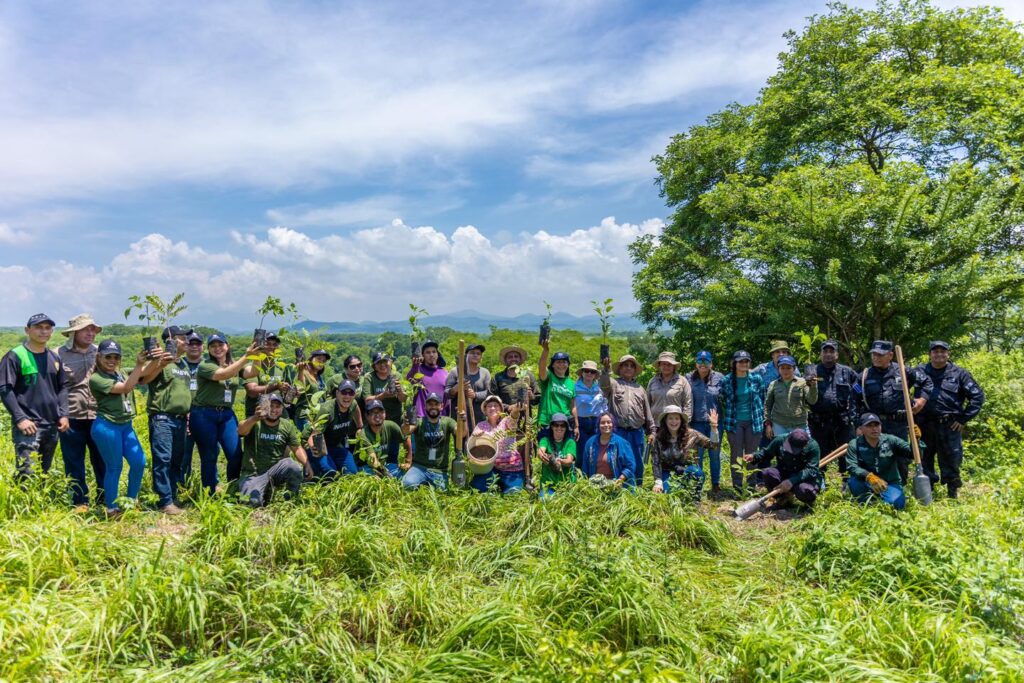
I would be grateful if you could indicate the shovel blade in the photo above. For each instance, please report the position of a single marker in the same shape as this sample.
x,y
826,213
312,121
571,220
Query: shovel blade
x,y
922,487
749,509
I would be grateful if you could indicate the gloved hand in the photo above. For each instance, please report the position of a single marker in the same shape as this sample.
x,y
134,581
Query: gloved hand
x,y
877,484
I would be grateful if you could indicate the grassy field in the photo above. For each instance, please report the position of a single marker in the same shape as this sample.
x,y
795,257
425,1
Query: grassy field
x,y
360,581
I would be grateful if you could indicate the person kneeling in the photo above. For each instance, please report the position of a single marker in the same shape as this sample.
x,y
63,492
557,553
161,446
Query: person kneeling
x,y
674,451
796,472
433,437
873,462
267,440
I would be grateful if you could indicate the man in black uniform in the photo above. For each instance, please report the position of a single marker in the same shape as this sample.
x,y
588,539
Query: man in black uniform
x,y
833,415
943,419
882,393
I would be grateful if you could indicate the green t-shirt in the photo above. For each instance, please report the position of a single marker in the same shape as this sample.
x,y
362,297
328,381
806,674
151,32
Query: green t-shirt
x,y
341,429
308,387
264,446
387,444
432,443
212,393
264,376
548,475
169,391
373,385
556,396
116,408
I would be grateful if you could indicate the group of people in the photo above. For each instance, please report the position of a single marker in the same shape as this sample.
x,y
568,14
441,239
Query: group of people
x,y
303,423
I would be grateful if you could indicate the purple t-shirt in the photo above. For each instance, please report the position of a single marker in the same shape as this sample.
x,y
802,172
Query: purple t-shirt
x,y
433,380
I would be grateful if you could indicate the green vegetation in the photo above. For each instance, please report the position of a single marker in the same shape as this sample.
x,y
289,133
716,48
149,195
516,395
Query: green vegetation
x,y
360,581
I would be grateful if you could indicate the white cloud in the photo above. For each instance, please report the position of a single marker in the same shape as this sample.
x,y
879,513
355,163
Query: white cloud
x,y
9,235
364,274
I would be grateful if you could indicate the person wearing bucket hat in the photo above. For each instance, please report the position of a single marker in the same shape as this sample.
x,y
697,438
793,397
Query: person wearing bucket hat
x,y
78,359
834,413
212,419
381,384
875,463
742,417
788,400
590,402
796,456
33,389
380,442
433,440
270,442
507,383
557,452
706,385
427,373
628,404
477,382
668,387
674,452
112,429
509,468
334,455
557,389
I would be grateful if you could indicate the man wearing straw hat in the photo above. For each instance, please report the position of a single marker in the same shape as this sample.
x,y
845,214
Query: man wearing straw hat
x,y
78,358
669,388
515,377
630,407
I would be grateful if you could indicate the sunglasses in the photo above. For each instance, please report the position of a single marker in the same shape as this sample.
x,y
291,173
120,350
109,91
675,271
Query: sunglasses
x,y
589,372
559,425
353,366
348,393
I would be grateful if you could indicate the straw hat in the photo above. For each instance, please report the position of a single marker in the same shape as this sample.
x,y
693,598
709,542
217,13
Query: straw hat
x,y
80,322
514,347
588,365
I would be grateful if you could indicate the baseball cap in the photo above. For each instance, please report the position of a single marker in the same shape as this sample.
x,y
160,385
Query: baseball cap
x,y
375,404
704,357
938,344
868,418
109,347
830,344
174,331
787,360
881,346
347,385
796,440
275,397
193,337
433,397
39,318
475,347
379,356
321,352
740,355
215,337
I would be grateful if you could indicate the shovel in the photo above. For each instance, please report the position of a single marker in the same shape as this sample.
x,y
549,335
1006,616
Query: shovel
x,y
748,509
922,485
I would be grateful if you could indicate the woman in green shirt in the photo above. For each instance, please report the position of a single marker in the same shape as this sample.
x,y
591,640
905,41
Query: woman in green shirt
x,y
557,453
557,390
212,420
112,430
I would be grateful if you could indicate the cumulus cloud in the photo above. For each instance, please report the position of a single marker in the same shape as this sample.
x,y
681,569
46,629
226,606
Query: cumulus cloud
x,y
368,274
9,235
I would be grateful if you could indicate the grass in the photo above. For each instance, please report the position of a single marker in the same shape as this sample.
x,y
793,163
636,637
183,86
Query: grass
x,y
362,582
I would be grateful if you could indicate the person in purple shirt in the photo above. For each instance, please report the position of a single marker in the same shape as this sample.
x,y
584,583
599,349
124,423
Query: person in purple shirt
x,y
428,375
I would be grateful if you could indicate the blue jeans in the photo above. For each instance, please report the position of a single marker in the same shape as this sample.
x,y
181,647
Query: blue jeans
x,y
172,463
588,428
714,454
73,445
508,482
213,429
118,443
893,495
418,476
636,439
692,479
338,461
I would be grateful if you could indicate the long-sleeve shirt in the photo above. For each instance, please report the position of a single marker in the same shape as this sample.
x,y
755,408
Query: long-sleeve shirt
x,y
955,393
705,394
481,383
883,459
44,399
78,367
788,403
677,455
730,407
797,467
837,393
628,402
882,391
433,381
675,392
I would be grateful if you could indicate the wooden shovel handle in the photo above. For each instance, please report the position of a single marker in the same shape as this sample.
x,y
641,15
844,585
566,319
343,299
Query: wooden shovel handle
x,y
908,406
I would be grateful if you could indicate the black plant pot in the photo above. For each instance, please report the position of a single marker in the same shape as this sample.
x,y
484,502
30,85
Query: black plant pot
x,y
259,336
290,394
149,344
606,351
319,444
300,354
171,346
810,371
545,333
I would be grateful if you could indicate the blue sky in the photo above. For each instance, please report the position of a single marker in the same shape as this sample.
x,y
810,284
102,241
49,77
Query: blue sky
x,y
352,157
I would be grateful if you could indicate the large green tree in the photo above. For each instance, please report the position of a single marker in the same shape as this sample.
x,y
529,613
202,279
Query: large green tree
x,y
873,188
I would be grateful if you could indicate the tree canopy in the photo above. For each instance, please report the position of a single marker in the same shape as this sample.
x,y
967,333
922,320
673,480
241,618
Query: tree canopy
x,y
873,188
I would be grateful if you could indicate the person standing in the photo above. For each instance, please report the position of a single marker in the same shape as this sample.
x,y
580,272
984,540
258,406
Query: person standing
x,y
168,403
381,384
78,360
310,377
34,391
835,412
628,404
112,429
270,440
477,382
788,400
428,371
955,400
557,389
590,402
434,438
269,377
742,417
508,383
706,386
669,388
875,462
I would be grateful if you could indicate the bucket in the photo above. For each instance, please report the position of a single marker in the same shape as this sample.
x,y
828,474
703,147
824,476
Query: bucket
x,y
482,449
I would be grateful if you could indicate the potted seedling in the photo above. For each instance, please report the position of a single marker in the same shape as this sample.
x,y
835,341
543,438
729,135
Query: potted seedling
x,y
806,343
415,333
317,414
152,309
275,309
604,313
545,326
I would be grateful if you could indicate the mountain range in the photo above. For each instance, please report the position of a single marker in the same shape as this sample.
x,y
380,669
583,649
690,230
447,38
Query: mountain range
x,y
479,323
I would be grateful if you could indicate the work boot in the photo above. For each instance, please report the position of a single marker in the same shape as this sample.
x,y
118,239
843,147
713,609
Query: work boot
x,y
172,509
953,491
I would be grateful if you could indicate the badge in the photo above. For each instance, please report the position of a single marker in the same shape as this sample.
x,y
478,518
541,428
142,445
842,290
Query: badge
x,y
227,396
193,384
432,454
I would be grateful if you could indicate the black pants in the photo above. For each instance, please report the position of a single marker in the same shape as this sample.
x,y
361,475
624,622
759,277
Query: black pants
x,y
947,445
831,432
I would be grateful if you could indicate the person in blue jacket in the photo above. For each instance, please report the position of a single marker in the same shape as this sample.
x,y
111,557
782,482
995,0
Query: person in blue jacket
x,y
609,455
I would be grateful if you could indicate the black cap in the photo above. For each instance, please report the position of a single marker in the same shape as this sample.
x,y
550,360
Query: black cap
x,y
433,397
379,356
40,318
938,344
174,331
830,344
272,335
193,337
427,344
474,347
796,440
347,385
321,352
373,405
868,418
740,355
881,346
275,397
108,347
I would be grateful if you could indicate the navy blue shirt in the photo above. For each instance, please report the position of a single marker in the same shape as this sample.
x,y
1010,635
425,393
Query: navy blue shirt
x,y
956,394
836,392
882,392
